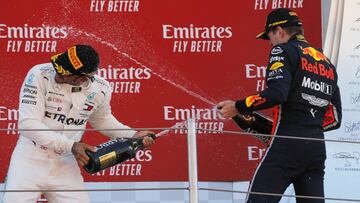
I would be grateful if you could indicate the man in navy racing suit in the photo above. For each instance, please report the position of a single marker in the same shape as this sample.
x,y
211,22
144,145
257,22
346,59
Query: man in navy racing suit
x,y
302,86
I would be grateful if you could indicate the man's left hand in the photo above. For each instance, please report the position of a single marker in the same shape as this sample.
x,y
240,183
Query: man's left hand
x,y
227,109
78,150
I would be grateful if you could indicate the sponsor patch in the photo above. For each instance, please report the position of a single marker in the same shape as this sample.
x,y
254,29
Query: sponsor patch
x,y
47,106
276,50
55,93
24,101
274,73
88,107
75,61
317,86
276,58
254,100
315,54
277,23
29,90
276,65
30,79
315,101
275,77
65,120
54,99
91,96
76,89
317,68
29,96
30,86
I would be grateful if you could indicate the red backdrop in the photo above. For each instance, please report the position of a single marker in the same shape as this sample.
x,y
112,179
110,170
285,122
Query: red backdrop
x,y
164,58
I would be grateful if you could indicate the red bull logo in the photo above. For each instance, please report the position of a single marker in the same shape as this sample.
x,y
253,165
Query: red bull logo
x,y
254,100
317,55
317,68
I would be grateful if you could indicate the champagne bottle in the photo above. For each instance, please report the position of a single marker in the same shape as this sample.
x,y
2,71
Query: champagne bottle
x,y
255,123
113,152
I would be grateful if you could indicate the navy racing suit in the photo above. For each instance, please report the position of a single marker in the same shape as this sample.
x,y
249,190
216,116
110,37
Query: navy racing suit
x,y
302,86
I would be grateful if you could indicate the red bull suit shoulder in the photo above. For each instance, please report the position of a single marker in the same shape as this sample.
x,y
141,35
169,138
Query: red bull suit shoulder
x,y
302,84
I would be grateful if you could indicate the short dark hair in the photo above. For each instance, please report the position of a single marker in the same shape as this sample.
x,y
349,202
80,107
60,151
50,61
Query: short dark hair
x,y
294,30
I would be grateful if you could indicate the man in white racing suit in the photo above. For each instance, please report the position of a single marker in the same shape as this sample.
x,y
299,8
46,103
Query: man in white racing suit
x,y
63,94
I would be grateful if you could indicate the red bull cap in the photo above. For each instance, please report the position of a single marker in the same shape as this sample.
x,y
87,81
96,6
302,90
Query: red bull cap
x,y
279,17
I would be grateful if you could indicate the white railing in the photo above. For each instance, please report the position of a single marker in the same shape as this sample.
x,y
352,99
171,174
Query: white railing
x,y
193,183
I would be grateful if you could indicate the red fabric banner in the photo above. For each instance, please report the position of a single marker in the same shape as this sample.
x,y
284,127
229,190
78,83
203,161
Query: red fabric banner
x,y
166,61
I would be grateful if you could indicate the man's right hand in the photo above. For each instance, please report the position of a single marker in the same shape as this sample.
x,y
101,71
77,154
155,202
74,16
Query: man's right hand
x,y
78,150
227,109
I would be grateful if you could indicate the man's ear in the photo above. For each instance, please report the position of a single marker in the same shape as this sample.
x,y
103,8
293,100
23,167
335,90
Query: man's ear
x,y
276,30
281,31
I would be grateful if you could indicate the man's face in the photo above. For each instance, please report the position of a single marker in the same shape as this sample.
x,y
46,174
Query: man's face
x,y
75,80
278,36
274,36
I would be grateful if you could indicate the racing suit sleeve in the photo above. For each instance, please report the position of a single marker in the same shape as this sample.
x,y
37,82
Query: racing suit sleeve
x,y
32,112
102,118
278,81
333,113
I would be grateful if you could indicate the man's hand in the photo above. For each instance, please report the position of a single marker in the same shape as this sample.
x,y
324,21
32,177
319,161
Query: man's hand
x,y
227,109
147,141
78,150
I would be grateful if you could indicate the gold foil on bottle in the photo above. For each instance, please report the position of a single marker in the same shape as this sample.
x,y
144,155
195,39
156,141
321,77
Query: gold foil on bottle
x,y
107,159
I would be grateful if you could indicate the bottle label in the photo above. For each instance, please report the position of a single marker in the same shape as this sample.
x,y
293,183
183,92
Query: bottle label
x,y
108,159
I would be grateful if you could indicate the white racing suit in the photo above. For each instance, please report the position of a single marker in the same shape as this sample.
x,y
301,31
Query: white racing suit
x,y
42,160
